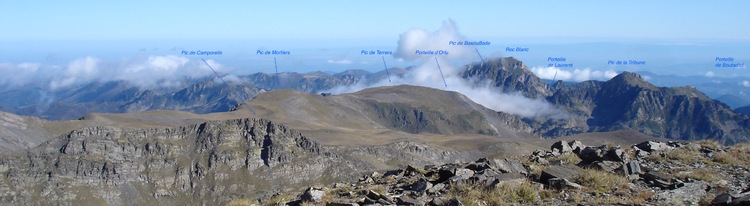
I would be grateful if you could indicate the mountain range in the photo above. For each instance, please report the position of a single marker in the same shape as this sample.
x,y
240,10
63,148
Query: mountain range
x,y
200,144
626,101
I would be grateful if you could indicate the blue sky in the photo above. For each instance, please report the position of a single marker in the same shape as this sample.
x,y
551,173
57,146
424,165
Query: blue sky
x,y
56,33
368,21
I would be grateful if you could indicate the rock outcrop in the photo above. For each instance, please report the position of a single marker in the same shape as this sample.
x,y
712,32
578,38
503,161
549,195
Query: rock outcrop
x,y
669,173
209,163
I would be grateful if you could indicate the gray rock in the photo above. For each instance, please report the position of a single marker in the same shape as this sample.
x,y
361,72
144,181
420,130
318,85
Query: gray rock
x,y
560,171
486,177
508,166
744,200
593,154
561,146
631,170
313,195
576,146
438,201
436,189
616,154
657,179
562,183
511,177
478,165
651,146
609,166
454,202
342,204
689,194
461,173
405,200
420,186
722,199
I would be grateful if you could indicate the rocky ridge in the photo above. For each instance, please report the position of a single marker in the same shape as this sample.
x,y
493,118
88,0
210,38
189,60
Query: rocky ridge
x,y
208,163
649,173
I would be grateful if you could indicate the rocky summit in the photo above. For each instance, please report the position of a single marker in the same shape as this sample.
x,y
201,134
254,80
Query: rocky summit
x,y
570,173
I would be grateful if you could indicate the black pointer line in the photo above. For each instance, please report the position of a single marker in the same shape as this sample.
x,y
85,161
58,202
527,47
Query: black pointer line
x,y
230,87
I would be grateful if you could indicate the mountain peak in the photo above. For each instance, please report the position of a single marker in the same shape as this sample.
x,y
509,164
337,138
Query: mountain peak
x,y
508,74
632,79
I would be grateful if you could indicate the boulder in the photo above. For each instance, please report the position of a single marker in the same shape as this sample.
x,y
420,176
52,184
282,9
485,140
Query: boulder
x,y
562,183
593,154
508,166
631,170
454,202
722,199
436,189
560,171
478,165
462,173
657,179
609,166
420,186
690,194
514,178
616,154
396,172
602,153
576,146
313,195
744,200
561,147
651,146
406,200
462,176
486,177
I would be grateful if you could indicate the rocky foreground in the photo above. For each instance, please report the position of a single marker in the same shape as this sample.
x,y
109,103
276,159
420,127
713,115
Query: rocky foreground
x,y
570,173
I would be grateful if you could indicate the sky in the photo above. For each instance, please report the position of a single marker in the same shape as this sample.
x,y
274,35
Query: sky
x,y
89,40
365,20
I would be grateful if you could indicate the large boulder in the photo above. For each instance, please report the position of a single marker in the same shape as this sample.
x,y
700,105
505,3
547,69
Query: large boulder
x,y
651,146
602,153
560,171
561,147
508,166
313,195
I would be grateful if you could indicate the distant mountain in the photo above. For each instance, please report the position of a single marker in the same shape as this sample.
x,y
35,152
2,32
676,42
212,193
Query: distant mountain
x,y
743,110
508,75
204,96
733,101
627,101
728,90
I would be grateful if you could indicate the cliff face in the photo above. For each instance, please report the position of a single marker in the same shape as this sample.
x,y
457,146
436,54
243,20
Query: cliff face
x,y
209,163
206,163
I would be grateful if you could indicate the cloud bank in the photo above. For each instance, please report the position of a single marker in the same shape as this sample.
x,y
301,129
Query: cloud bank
x,y
147,72
577,75
428,75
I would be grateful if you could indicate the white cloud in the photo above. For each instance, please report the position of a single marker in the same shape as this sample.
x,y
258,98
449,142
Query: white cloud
x,y
745,83
151,71
342,61
577,75
78,71
710,74
418,39
15,75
